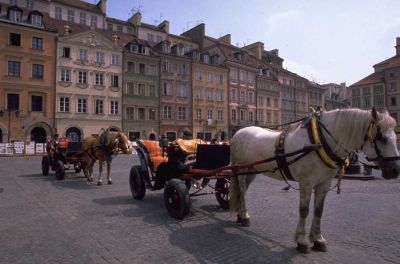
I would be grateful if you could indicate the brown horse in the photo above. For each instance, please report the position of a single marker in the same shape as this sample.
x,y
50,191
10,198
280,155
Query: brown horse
x,y
103,148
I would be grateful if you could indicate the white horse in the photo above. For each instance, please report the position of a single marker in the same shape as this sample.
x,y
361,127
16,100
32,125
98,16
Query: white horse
x,y
341,131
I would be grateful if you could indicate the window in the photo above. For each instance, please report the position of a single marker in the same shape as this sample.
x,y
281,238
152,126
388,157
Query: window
x,y
99,79
93,21
37,71
260,116
130,89
130,30
198,114
251,97
98,106
183,69
120,28
83,55
130,113
130,66
153,70
167,89
219,95
378,89
115,59
114,107
199,93
268,117
150,37
220,78
250,77
141,89
37,103
37,43
268,101
233,74
142,69
233,114
99,57
366,91
182,90
14,39
206,58
260,101
210,94
110,27
36,20
242,96
209,77
29,4
220,114
167,113
82,77
242,115
209,114
114,80
275,117
71,15
82,18
181,113
233,94
251,116
65,75
15,15
64,104
242,75
276,103
152,114
199,75
82,105
141,113
66,52
14,68
159,39
152,90
58,12
12,101
392,87
168,67
393,100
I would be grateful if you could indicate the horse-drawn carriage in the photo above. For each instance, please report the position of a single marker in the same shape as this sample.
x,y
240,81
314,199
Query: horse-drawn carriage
x,y
168,165
67,156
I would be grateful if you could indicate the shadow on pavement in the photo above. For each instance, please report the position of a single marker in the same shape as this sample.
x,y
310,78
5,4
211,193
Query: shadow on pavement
x,y
118,200
72,180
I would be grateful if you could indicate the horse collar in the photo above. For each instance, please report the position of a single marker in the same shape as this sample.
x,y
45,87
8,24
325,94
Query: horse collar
x,y
324,152
282,162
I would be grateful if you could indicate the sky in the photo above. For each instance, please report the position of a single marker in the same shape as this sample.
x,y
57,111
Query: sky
x,y
322,40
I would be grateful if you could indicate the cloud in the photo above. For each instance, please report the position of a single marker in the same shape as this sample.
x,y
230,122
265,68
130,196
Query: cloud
x,y
278,19
305,70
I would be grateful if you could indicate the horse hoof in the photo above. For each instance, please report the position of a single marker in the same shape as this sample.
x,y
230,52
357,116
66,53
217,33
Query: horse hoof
x,y
301,248
318,246
243,221
110,182
99,183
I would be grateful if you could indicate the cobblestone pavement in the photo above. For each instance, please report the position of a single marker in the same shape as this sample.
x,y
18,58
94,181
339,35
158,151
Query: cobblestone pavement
x,y
43,220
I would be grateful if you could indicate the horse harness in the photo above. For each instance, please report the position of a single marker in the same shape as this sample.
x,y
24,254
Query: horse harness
x,y
325,152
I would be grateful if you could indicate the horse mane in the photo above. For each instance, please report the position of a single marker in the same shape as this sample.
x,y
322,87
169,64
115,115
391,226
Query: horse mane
x,y
351,125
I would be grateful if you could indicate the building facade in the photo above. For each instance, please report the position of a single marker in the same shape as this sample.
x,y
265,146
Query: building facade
x,y
27,75
335,96
141,94
89,83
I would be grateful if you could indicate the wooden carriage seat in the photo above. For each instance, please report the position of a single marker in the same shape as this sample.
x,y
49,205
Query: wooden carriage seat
x,y
189,145
155,152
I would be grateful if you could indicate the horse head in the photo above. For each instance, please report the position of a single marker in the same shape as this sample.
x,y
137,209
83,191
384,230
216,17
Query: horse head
x,y
123,143
380,144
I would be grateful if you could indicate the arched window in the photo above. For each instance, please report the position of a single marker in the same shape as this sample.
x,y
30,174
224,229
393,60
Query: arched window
x,y
74,134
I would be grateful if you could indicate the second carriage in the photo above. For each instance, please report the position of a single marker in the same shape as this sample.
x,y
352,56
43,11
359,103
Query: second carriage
x,y
167,165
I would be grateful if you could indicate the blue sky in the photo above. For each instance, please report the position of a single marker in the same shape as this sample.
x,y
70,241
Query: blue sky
x,y
325,41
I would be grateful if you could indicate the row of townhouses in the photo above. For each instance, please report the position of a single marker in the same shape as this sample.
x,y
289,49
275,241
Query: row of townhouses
x,y
69,68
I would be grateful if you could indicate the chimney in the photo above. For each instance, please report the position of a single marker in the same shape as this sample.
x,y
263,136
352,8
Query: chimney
x,y
164,26
136,19
226,39
397,46
256,49
275,52
102,4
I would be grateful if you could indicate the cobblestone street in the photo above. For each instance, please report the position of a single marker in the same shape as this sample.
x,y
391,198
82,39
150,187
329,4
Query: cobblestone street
x,y
48,221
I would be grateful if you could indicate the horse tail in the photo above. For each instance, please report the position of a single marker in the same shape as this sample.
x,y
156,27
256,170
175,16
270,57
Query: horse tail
x,y
234,193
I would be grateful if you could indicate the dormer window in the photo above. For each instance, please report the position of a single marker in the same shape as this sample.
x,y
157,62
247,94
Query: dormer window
x,y
36,19
260,71
206,58
166,47
238,56
215,59
196,55
15,14
180,50
134,48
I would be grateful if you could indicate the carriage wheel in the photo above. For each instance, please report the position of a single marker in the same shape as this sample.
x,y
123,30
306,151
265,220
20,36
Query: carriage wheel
x,y
222,192
176,198
78,167
60,170
136,183
45,165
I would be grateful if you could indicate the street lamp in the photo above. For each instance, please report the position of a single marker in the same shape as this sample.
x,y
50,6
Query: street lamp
x,y
9,120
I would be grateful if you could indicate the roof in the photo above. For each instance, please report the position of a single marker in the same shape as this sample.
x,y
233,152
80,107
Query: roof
x,y
375,77
111,19
145,25
229,51
81,5
391,62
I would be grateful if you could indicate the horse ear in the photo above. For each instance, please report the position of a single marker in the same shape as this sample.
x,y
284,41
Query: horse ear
x,y
375,114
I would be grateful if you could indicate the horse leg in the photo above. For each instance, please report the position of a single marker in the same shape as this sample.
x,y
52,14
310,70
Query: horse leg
x,y
85,167
100,182
91,165
303,245
243,216
320,192
109,180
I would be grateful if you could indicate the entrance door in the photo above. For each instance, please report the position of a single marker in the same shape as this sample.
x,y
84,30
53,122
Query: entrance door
x,y
152,136
38,135
74,134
